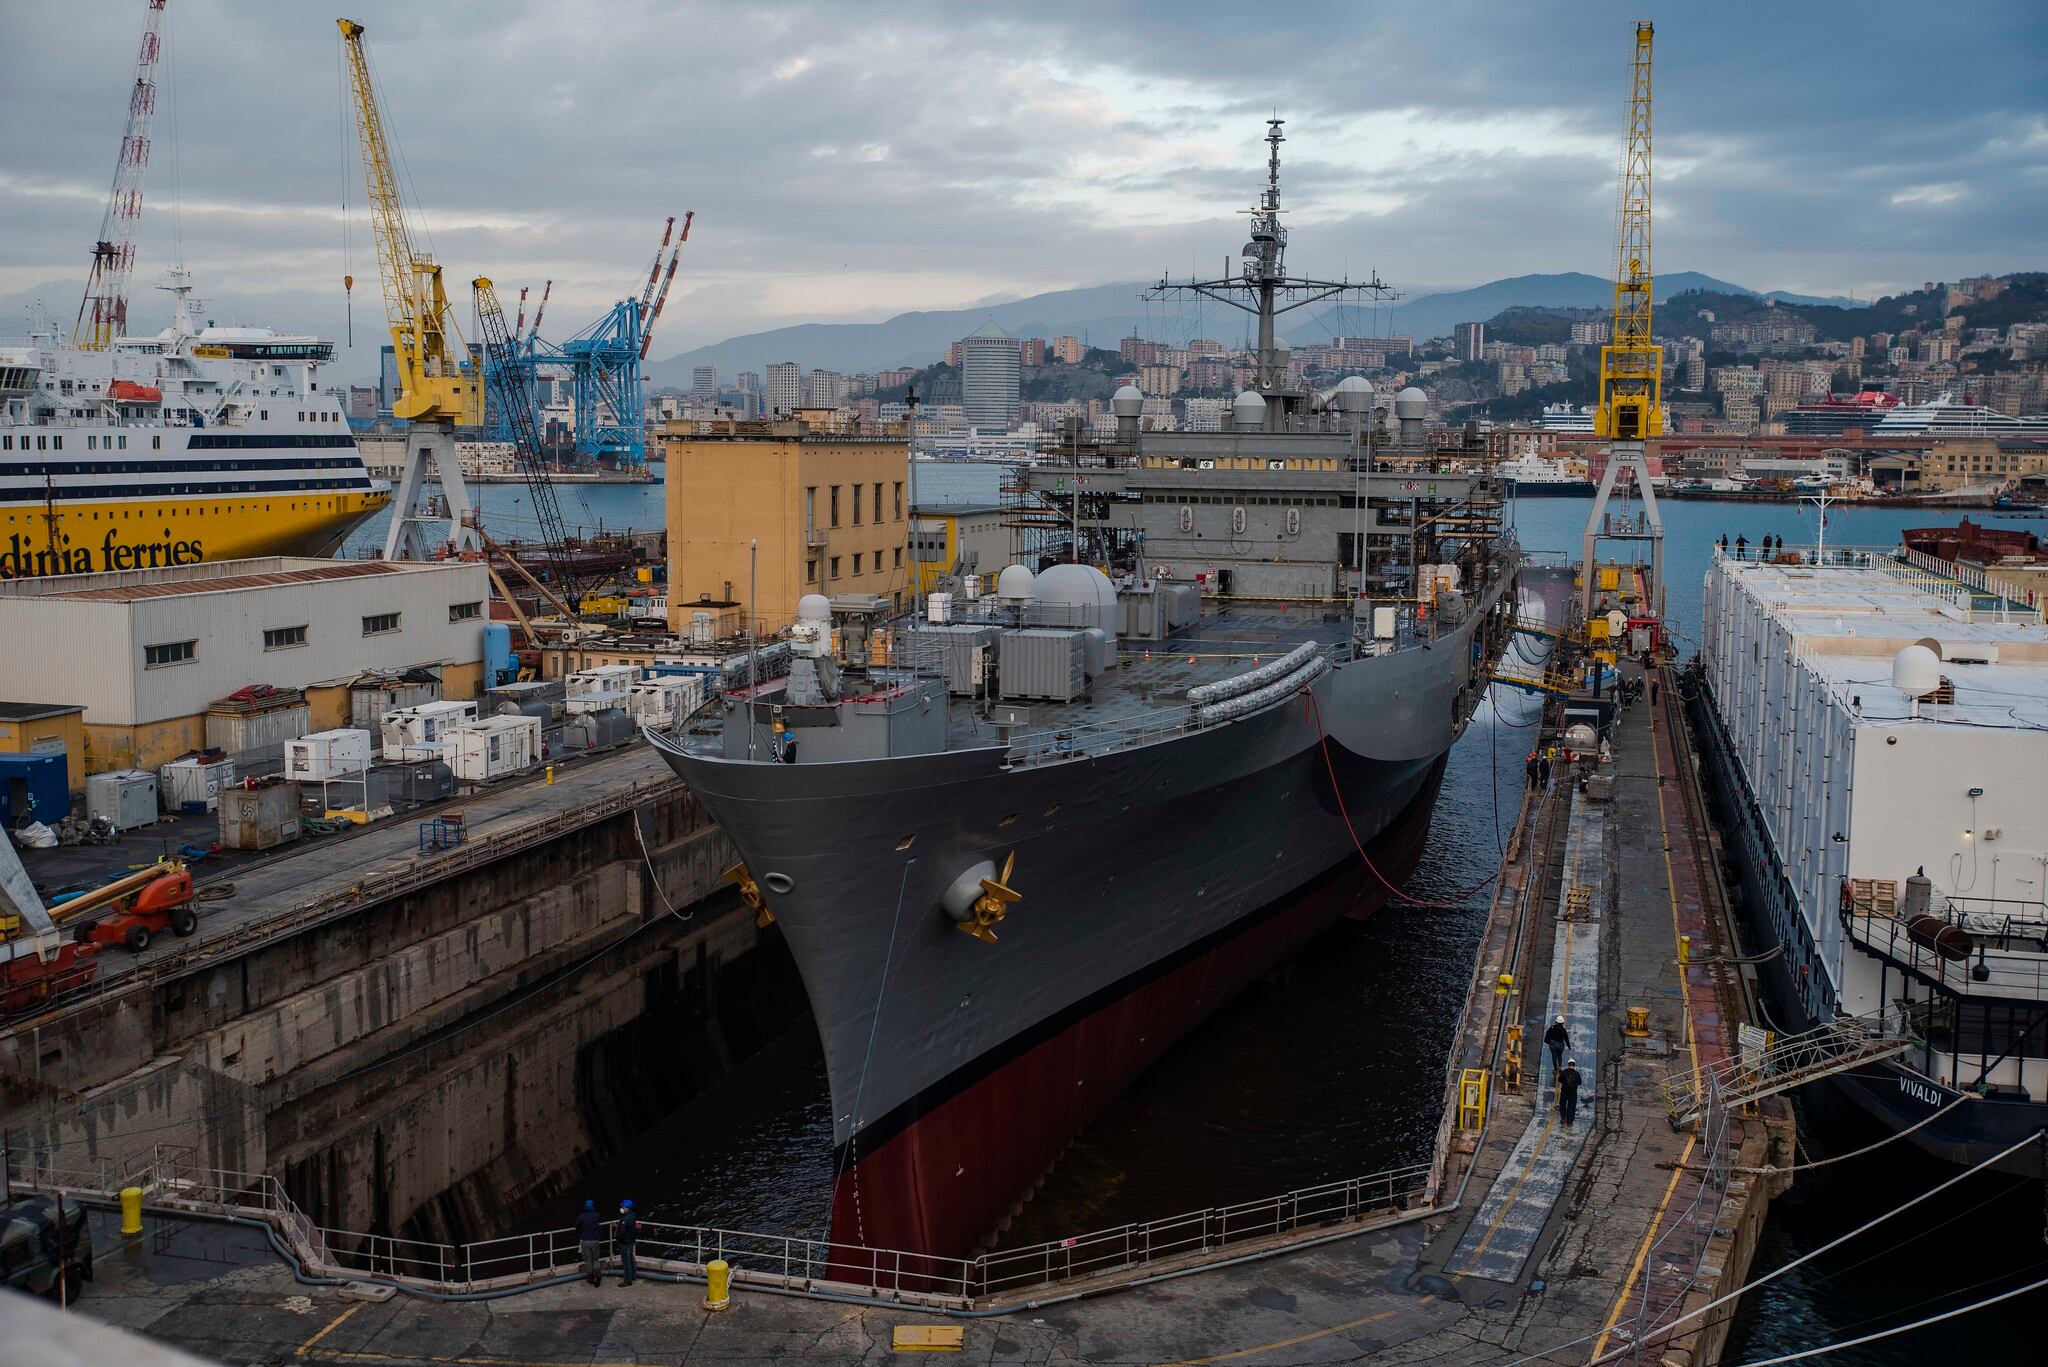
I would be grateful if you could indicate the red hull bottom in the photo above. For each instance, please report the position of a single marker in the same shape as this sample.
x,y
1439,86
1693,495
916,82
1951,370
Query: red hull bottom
x,y
940,1185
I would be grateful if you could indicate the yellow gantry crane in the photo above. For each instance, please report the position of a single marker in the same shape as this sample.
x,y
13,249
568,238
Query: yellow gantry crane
x,y
1631,364
437,387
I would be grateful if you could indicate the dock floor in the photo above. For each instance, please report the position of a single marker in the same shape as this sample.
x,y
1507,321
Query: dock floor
x,y
1549,1253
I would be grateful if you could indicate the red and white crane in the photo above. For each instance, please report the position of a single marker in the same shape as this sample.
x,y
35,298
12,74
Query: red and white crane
x,y
649,318
103,313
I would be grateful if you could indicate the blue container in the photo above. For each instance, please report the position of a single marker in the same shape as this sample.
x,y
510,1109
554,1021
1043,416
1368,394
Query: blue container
x,y
499,665
38,784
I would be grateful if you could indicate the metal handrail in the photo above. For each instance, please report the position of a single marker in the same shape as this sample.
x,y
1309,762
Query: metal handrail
x,y
1986,972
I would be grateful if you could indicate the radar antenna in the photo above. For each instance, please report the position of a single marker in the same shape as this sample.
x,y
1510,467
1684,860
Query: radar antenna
x,y
1262,286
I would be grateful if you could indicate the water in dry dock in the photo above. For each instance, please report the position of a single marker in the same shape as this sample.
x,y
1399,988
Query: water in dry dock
x,y
1332,1068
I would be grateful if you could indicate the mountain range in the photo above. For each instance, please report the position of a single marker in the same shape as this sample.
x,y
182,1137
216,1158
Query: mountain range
x,y
1105,313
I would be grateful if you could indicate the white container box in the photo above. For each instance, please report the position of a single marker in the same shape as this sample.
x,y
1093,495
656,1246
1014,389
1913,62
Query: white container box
x,y
493,748
416,732
125,797
327,755
194,783
664,700
597,700
603,679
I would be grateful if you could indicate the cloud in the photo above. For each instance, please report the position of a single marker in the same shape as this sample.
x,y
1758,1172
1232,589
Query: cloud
x,y
850,163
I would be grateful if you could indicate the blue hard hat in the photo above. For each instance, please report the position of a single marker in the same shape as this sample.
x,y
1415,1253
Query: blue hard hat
x,y
626,1204
590,1205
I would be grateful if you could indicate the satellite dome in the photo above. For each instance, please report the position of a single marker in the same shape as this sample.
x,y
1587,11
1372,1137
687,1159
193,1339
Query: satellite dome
x,y
1127,402
1015,584
1084,589
1248,411
1411,403
1916,670
1353,394
814,607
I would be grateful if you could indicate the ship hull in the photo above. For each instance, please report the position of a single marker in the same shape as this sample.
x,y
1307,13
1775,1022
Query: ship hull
x,y
1899,1098
1008,1120
1137,865
77,536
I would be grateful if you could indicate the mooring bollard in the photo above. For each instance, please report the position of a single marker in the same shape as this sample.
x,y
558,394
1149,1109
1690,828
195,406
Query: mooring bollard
x,y
131,1211
717,1284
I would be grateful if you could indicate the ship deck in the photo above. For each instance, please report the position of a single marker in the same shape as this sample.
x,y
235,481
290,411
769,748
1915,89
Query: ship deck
x,y
1150,680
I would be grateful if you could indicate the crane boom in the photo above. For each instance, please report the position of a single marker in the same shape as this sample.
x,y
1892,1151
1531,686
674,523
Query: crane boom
x,y
511,391
434,387
1631,364
649,319
103,312
654,271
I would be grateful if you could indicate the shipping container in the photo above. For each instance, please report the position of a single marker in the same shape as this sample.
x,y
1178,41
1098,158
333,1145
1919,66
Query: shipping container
x,y
598,700
417,732
492,748
1043,662
34,787
125,797
254,733
194,783
259,818
327,755
369,699
662,701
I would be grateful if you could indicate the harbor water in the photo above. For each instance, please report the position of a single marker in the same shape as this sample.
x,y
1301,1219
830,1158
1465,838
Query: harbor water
x,y
1333,1066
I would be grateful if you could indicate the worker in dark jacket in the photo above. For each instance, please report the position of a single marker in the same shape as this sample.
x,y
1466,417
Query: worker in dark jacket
x,y
627,1235
1559,1039
1568,1083
590,1239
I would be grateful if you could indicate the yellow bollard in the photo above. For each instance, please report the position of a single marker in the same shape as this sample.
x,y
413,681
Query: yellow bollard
x,y
1504,984
1685,949
131,1211
551,775
717,1284
1638,1026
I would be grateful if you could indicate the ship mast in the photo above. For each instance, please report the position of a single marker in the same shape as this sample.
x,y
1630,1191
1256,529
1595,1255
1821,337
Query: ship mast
x,y
1262,287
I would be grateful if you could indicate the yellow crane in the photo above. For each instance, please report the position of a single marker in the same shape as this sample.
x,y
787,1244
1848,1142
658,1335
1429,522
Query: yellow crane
x,y
438,388
1631,364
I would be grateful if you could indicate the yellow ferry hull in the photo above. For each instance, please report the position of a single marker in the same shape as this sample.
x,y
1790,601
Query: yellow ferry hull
x,y
81,536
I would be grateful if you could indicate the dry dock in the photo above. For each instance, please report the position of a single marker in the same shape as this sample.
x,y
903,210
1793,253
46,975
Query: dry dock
x,y
1526,1239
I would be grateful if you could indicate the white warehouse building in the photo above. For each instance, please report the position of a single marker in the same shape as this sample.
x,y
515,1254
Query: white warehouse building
x,y
147,652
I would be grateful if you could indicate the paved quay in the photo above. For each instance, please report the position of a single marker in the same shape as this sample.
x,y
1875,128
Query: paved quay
x,y
1566,1242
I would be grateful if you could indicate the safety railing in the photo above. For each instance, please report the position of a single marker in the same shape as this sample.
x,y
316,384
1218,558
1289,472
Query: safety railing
x,y
1677,1261
1111,1251
2008,973
172,1181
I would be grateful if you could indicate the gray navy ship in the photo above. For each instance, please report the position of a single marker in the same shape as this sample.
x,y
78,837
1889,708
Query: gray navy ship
x,y
1023,839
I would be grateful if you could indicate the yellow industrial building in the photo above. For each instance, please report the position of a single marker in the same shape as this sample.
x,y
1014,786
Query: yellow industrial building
x,y
46,728
816,511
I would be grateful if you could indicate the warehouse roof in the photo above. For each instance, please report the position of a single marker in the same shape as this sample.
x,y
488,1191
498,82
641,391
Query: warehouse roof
x,y
36,711
217,576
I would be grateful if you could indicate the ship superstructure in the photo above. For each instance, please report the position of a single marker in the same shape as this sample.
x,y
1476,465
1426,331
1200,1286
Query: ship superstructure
x,y
1881,729
1021,841
199,443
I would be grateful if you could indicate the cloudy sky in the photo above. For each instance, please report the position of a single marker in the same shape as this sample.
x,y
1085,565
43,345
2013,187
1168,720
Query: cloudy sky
x,y
852,161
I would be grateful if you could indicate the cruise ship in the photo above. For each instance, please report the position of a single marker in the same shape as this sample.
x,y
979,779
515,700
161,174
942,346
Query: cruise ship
x,y
1531,474
1876,724
199,443
1944,417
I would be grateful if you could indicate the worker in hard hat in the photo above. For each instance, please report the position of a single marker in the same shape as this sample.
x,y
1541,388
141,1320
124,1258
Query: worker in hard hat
x,y
589,1241
1568,1084
628,1234
1559,1039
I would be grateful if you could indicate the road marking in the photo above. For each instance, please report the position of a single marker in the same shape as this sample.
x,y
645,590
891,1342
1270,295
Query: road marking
x,y
1285,1343
332,1325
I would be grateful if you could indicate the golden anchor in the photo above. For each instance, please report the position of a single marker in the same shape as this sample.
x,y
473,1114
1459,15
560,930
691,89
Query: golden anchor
x,y
750,893
993,904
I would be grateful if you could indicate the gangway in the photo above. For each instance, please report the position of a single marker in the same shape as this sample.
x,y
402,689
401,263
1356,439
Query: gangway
x,y
1558,685
1746,1076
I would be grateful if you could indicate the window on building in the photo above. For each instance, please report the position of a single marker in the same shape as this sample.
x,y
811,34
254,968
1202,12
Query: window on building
x,y
856,562
856,505
835,568
380,623
878,500
810,571
899,557
170,653
835,511
810,507
283,638
899,500
465,612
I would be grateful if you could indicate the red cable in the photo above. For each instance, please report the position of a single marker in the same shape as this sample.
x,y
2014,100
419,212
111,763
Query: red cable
x,y
1316,708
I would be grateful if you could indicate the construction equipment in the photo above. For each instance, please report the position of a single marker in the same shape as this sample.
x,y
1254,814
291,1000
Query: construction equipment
x,y
103,312
134,909
512,390
649,318
436,389
36,960
1631,364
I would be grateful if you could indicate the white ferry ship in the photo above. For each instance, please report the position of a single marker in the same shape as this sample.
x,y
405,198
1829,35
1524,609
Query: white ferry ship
x,y
1531,474
200,443
1877,724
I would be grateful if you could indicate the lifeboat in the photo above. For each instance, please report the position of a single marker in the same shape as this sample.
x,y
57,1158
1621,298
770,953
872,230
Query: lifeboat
x,y
128,391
